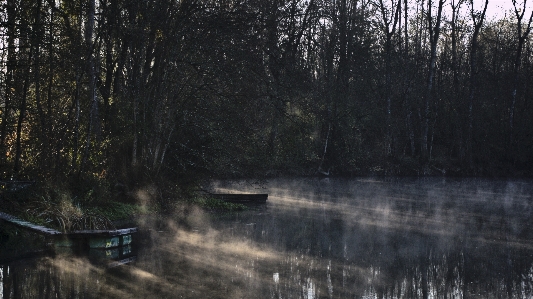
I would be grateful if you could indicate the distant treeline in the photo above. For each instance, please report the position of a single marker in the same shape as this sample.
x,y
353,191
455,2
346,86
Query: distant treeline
x,y
150,89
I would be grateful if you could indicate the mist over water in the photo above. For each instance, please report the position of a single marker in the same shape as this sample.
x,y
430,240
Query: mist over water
x,y
317,238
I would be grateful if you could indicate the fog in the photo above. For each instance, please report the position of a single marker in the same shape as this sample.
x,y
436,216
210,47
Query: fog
x,y
316,238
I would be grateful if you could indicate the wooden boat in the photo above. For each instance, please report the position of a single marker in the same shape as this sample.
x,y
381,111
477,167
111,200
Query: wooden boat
x,y
242,198
97,238
92,238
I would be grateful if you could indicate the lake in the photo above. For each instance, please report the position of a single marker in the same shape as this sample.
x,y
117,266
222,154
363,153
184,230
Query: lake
x,y
315,238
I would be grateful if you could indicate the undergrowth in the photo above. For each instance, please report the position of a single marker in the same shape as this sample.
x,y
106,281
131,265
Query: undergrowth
x,y
88,208
55,207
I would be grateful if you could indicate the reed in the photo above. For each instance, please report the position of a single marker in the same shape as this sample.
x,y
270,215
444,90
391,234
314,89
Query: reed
x,y
66,216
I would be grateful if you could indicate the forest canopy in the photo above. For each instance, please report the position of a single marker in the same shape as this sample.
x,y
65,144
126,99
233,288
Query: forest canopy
x,y
151,89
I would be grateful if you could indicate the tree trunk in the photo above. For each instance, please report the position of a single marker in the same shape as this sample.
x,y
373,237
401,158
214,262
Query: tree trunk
x,y
36,39
521,36
22,115
434,32
93,114
455,83
10,74
478,22
76,104
389,33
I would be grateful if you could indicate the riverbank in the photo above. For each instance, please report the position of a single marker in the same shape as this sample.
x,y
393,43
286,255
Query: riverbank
x,y
61,210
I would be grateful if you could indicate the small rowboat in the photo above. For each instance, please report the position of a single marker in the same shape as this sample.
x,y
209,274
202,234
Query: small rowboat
x,y
242,198
98,238
94,238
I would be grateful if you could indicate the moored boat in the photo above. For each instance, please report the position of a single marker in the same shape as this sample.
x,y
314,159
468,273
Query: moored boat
x,y
243,198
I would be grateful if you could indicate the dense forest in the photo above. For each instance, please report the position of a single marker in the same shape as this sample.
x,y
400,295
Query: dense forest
x,y
125,90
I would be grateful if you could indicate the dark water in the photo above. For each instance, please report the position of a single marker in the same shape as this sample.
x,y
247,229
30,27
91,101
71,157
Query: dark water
x,y
336,238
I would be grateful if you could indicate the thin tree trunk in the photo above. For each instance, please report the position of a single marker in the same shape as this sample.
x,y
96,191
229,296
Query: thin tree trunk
x,y
36,32
105,87
407,83
521,36
10,73
406,25
165,148
455,83
409,116
478,22
75,149
434,32
389,33
93,114
22,115
59,143
320,167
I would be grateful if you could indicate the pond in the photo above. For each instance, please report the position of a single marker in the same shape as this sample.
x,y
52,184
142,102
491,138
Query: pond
x,y
316,238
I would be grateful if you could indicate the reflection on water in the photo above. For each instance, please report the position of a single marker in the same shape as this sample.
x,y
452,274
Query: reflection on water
x,y
336,238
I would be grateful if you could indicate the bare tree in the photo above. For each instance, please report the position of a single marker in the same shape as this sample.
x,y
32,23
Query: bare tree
x,y
434,27
477,22
456,30
390,17
408,80
455,6
521,34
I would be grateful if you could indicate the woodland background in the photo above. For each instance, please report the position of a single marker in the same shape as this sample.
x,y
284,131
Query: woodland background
x,y
127,91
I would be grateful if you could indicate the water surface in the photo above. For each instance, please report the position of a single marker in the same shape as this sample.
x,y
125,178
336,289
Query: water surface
x,y
317,238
